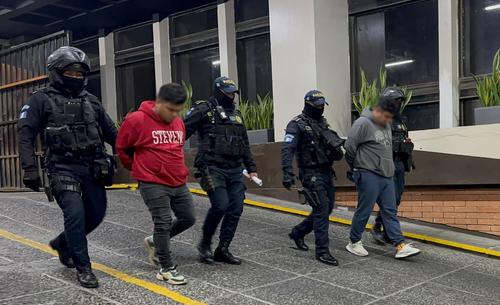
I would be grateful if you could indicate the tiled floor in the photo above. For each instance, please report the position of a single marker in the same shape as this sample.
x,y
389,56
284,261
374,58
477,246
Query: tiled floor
x,y
272,271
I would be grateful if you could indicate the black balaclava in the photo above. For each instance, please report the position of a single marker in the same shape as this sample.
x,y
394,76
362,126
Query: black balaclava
x,y
314,113
223,100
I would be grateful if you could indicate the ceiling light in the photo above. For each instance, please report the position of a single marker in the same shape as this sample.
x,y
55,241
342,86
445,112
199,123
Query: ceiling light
x,y
399,63
492,7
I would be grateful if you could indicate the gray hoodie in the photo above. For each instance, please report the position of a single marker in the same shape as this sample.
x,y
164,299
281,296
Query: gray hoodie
x,y
369,146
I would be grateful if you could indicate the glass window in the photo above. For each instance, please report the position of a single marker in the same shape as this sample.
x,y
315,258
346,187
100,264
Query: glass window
x,y
133,37
135,83
364,5
193,22
422,116
250,9
254,67
199,68
481,35
404,39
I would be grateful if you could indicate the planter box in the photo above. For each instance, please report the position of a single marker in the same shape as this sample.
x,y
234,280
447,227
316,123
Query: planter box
x,y
260,136
487,115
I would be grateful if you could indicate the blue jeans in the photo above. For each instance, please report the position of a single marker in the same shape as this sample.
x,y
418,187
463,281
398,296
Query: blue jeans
x,y
226,204
399,186
321,183
373,188
82,212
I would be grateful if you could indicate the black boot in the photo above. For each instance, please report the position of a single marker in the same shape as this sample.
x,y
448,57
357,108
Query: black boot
x,y
205,253
222,254
64,256
87,278
327,258
299,242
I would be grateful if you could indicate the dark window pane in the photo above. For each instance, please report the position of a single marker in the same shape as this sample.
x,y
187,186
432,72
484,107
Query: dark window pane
x,y
467,108
483,34
250,9
94,84
404,39
134,37
424,116
364,5
135,83
254,67
198,68
194,22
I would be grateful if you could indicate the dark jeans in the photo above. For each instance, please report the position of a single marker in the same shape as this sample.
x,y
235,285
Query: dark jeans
x,y
226,204
320,183
399,188
161,200
375,188
82,212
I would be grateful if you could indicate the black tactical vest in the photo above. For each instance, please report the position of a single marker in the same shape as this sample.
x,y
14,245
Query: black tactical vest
x,y
311,151
399,135
224,135
72,130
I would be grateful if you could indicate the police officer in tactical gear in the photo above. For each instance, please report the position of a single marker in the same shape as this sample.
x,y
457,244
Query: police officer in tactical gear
x,y
73,126
309,137
402,155
223,148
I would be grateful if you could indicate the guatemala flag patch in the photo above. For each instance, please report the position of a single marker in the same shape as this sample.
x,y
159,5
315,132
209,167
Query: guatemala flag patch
x,y
289,138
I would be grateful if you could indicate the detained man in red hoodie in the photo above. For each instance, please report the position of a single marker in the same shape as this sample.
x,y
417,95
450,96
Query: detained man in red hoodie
x,y
150,144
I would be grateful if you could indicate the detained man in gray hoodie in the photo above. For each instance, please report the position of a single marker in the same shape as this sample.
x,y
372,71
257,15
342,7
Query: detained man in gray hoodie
x,y
369,154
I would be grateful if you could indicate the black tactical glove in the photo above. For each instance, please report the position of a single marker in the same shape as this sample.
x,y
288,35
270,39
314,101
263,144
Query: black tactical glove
x,y
349,176
288,181
32,180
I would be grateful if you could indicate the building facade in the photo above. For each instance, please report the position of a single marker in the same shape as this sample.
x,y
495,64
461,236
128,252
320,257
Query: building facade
x,y
282,49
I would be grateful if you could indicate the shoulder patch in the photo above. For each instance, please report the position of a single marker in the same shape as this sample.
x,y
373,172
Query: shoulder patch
x,y
289,138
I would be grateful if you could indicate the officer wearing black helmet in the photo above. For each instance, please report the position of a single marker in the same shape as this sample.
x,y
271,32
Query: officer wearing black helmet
x,y
309,137
223,148
402,155
73,126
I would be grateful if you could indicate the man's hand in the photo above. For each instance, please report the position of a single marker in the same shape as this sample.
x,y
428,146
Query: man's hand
x,y
349,176
288,181
253,175
32,180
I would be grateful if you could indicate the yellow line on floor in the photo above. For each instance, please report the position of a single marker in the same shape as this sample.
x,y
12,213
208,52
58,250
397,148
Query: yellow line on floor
x,y
421,237
155,288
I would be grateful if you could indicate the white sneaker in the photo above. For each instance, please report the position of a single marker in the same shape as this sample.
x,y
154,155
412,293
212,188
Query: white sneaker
x,y
357,249
405,250
150,246
171,276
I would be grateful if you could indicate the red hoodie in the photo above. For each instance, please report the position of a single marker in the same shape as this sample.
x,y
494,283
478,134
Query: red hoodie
x,y
152,148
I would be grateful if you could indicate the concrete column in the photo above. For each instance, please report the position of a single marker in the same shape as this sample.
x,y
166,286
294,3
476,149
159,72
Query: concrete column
x,y
108,75
449,91
227,40
161,43
310,50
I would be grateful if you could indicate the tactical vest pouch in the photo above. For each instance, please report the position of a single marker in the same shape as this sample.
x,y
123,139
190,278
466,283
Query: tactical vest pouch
x,y
60,139
103,170
227,142
406,148
333,144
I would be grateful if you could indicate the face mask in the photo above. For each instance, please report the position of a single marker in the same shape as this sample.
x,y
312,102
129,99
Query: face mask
x,y
313,112
73,85
222,99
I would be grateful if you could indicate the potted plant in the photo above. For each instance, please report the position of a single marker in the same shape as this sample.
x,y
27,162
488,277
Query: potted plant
x,y
488,91
369,93
258,119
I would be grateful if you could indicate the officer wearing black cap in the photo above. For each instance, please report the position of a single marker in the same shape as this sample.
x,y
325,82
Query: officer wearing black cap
x,y
73,126
223,148
316,146
402,155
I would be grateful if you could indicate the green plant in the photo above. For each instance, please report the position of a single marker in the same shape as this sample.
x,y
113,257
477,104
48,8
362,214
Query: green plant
x,y
488,87
189,98
370,91
258,114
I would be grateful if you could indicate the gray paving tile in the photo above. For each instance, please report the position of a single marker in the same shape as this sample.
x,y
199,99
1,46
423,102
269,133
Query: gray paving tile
x,y
14,282
124,263
307,291
368,278
429,293
195,288
236,299
487,265
473,282
112,236
14,252
236,278
67,296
